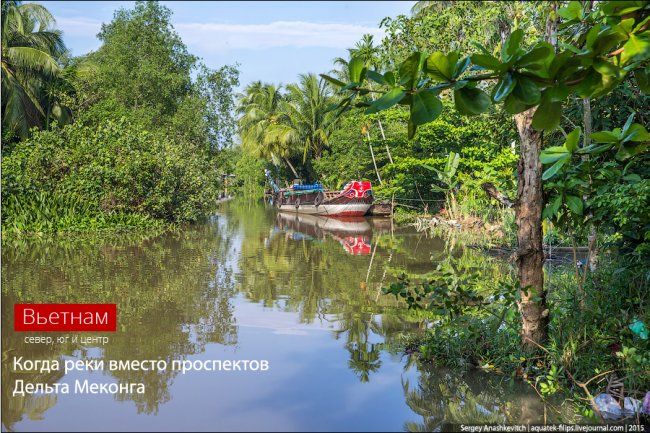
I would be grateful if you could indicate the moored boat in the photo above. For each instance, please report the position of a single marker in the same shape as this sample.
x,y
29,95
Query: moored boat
x,y
353,200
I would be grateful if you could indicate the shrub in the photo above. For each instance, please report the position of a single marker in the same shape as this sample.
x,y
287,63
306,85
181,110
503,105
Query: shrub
x,y
113,168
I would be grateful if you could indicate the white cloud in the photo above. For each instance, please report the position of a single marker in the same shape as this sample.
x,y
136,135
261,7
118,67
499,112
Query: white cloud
x,y
215,37
211,38
79,27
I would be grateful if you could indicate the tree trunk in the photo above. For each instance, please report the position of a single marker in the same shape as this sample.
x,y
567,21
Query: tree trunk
x,y
530,254
372,154
528,214
586,121
593,244
383,137
291,167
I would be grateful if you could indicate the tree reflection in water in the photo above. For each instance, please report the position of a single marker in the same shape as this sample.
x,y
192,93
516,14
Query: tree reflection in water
x,y
175,295
445,401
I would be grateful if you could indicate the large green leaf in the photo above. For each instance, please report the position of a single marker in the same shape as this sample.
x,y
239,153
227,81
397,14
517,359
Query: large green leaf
x,y
471,101
387,100
390,78
608,69
552,170
572,11
571,143
560,62
548,115
351,85
552,208
628,150
557,93
627,125
537,54
604,137
513,105
592,36
409,70
504,87
487,62
574,204
376,77
595,149
607,40
334,81
553,154
526,91
643,23
461,66
637,45
636,133
439,68
591,84
619,8
425,107
355,67
512,44
453,159
428,167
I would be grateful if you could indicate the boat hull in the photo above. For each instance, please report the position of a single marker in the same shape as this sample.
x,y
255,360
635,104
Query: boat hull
x,y
339,210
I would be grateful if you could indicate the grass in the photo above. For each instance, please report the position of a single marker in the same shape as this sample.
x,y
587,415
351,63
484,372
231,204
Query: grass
x,y
49,214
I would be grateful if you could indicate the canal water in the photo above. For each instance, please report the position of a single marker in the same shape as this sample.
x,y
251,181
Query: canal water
x,y
301,293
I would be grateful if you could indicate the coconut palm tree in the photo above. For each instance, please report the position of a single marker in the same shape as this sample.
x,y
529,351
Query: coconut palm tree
x,y
309,121
261,113
274,125
30,52
364,48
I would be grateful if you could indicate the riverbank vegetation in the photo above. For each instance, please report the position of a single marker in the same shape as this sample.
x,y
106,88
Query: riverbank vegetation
x,y
534,120
129,136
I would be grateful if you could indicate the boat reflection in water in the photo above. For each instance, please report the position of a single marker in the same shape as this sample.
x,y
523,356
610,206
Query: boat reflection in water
x,y
353,233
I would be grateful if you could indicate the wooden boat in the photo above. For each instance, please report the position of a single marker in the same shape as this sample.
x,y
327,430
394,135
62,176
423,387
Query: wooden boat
x,y
353,200
382,208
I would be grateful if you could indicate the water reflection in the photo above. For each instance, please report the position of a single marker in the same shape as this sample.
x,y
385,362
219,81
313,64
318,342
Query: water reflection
x,y
169,305
304,293
445,400
353,233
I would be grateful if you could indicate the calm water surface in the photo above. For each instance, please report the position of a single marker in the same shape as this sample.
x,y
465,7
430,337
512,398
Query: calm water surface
x,y
302,293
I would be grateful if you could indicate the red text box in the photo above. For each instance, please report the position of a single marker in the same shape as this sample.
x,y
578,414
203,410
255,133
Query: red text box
x,y
65,317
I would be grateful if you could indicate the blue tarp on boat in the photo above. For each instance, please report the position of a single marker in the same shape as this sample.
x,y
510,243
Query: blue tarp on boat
x,y
297,187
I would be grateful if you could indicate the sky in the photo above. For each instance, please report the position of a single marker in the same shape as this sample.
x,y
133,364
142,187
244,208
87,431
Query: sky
x,y
272,41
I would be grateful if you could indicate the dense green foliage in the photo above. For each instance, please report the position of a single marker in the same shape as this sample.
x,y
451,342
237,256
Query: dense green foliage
x,y
111,168
596,185
483,143
145,145
474,311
